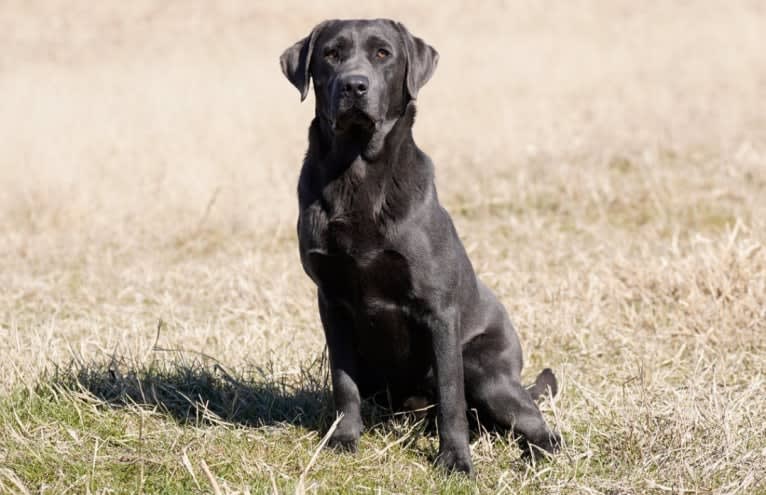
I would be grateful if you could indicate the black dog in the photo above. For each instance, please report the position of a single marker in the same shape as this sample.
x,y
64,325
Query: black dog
x,y
402,309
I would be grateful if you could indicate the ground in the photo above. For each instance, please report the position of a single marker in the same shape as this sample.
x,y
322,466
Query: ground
x,y
604,162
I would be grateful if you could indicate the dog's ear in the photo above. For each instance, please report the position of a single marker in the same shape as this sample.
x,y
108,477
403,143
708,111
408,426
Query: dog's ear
x,y
422,59
296,61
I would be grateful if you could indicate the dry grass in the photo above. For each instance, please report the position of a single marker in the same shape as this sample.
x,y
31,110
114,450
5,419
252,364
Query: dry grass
x,y
605,164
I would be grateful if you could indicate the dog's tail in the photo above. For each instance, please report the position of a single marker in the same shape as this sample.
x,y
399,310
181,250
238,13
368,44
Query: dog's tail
x,y
545,380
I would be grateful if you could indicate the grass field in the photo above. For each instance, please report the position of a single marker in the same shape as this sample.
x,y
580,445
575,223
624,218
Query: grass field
x,y
605,164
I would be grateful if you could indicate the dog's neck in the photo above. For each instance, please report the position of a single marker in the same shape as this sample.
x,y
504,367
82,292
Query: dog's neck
x,y
371,167
336,151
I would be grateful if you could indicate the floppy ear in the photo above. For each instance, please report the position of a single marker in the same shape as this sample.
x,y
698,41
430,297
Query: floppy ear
x,y
422,59
295,61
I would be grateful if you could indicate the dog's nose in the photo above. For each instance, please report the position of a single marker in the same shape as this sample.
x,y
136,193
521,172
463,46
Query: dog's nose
x,y
355,85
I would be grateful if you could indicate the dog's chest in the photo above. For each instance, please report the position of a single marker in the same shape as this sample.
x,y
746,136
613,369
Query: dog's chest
x,y
375,286
349,259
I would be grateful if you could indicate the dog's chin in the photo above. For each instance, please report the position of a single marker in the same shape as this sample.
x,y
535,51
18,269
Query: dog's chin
x,y
355,122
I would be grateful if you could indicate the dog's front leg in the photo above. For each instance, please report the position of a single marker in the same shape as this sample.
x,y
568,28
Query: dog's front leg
x,y
454,452
337,328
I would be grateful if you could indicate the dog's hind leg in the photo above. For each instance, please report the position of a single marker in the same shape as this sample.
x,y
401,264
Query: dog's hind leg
x,y
502,402
509,406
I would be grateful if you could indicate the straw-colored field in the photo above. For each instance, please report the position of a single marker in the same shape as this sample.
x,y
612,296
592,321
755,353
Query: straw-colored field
x,y
605,164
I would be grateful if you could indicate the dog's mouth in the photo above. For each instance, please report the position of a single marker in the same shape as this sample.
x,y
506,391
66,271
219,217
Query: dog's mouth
x,y
354,120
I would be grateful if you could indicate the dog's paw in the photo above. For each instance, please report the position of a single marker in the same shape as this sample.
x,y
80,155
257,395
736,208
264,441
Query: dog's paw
x,y
455,460
343,442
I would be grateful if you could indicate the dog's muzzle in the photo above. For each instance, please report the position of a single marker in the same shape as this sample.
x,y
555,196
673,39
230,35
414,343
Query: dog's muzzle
x,y
353,104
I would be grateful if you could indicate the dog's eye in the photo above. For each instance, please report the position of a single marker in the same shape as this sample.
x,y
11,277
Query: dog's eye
x,y
331,54
382,53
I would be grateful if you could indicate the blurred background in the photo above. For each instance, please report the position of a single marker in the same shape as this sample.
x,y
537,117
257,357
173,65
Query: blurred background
x,y
150,152
115,110
604,163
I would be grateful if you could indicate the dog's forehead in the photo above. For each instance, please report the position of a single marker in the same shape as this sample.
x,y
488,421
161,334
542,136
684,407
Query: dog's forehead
x,y
356,30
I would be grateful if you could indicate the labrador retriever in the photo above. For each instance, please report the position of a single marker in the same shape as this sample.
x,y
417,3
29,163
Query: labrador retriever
x,y
402,310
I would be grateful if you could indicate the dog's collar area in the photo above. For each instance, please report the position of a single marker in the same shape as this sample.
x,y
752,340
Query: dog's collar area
x,y
368,146
355,120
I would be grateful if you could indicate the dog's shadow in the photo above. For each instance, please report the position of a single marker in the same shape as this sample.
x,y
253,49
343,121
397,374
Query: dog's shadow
x,y
201,391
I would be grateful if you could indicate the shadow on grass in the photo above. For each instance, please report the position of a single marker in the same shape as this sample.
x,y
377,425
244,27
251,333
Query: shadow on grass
x,y
196,391
201,391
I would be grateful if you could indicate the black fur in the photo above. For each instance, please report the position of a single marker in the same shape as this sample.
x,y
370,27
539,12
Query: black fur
x,y
402,309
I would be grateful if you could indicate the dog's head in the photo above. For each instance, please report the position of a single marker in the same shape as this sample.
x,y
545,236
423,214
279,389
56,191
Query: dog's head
x,y
364,71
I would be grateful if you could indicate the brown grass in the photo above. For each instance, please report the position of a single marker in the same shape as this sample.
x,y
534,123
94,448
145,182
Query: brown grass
x,y
605,163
